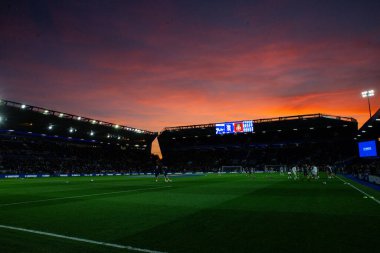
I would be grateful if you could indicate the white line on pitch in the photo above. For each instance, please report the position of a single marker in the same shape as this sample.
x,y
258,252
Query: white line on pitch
x,y
80,239
81,196
356,188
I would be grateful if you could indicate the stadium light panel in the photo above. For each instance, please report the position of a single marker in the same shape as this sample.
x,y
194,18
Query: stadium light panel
x,y
46,112
116,126
93,121
79,118
61,115
368,93
23,106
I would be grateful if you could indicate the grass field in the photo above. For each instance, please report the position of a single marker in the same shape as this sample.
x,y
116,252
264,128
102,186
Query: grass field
x,y
228,213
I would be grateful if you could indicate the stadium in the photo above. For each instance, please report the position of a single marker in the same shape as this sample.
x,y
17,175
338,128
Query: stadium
x,y
202,126
80,182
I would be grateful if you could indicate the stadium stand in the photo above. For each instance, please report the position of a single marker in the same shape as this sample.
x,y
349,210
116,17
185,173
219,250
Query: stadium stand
x,y
312,139
367,167
38,140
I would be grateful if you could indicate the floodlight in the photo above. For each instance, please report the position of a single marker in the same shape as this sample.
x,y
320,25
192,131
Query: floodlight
x,y
367,94
79,118
93,121
46,112
117,126
61,115
71,130
23,106
92,133
50,127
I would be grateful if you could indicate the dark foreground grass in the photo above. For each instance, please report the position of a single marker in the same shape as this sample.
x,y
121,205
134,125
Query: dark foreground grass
x,y
228,213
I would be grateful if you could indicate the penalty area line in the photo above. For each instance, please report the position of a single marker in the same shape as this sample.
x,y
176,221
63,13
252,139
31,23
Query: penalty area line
x,y
359,190
82,196
80,239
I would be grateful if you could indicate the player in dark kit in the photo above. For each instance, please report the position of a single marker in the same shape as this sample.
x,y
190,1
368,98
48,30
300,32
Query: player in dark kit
x,y
157,172
165,172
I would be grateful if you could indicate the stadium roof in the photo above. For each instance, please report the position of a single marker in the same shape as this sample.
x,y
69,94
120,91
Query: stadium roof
x,y
371,128
294,117
71,116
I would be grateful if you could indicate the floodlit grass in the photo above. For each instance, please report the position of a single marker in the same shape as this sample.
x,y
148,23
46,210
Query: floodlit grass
x,y
228,213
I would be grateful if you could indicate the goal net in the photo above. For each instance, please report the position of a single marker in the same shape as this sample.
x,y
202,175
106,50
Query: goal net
x,y
232,169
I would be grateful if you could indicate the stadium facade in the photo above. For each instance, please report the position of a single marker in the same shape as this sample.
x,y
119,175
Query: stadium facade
x,y
312,138
33,138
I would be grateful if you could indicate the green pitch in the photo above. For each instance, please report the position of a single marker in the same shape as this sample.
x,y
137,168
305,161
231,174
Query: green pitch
x,y
228,213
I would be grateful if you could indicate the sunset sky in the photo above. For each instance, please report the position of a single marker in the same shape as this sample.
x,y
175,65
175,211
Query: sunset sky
x,y
151,64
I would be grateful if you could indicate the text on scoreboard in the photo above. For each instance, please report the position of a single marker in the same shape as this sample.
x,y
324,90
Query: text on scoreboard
x,y
234,127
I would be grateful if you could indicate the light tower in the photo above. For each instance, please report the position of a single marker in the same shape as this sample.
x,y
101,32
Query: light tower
x,y
367,94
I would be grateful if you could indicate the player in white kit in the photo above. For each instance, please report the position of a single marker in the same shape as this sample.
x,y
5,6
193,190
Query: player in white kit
x,y
314,172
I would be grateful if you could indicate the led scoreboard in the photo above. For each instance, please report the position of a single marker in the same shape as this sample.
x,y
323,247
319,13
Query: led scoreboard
x,y
234,127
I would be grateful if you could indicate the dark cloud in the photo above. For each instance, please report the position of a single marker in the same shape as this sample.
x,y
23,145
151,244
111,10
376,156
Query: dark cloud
x,y
152,64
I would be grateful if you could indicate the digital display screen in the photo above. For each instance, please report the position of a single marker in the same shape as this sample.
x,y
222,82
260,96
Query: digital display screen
x,y
234,127
367,149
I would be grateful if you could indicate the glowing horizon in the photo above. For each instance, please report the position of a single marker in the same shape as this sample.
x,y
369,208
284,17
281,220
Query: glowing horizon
x,y
154,64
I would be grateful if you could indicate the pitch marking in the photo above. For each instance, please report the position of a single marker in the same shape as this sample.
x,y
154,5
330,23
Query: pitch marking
x,y
81,196
353,186
80,239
